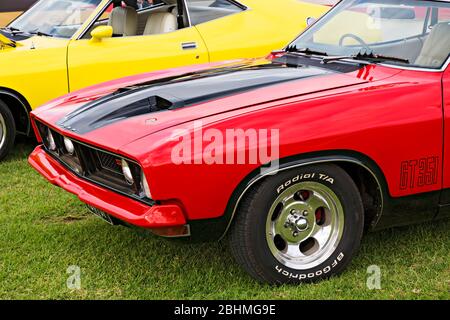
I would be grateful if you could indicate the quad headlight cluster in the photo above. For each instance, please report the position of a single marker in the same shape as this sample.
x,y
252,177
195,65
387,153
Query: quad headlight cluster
x,y
98,166
51,144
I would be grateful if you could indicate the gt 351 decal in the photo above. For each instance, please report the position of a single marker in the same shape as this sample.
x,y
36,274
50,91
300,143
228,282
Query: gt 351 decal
x,y
419,173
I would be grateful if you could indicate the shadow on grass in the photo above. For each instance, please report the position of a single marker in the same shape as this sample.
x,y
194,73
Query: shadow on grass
x,y
22,149
389,247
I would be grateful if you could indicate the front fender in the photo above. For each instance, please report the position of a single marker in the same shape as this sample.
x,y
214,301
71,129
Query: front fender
x,y
216,229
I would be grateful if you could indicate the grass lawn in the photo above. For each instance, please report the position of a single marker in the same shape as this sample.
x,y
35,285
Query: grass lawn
x,y
44,230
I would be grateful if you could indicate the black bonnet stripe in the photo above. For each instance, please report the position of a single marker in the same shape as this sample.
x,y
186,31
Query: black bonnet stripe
x,y
187,91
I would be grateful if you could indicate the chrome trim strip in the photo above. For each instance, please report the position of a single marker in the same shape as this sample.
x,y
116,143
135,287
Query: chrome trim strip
x,y
442,69
395,66
188,15
272,172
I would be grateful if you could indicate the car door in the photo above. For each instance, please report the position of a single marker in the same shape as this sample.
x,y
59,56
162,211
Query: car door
x,y
92,62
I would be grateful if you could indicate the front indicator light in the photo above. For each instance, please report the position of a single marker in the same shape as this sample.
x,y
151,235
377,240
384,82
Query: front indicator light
x,y
69,146
165,216
51,141
127,172
145,186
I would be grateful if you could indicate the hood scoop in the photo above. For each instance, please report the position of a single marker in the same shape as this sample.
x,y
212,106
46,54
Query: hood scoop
x,y
115,110
179,93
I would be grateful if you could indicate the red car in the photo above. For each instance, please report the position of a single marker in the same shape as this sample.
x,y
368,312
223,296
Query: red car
x,y
293,157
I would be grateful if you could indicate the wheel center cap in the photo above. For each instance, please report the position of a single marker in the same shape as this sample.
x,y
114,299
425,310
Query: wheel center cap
x,y
302,224
295,224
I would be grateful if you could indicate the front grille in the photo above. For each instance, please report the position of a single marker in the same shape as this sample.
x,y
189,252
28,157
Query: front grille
x,y
95,165
109,162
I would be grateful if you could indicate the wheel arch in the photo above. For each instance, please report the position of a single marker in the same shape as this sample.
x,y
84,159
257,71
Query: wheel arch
x,y
364,171
20,108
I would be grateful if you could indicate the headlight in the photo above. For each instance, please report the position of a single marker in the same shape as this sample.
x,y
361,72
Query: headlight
x,y
145,186
127,172
51,141
69,146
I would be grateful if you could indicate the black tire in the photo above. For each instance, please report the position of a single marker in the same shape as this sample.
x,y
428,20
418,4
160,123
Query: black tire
x,y
250,239
7,130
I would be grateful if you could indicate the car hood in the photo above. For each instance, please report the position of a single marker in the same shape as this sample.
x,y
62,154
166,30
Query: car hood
x,y
20,44
132,112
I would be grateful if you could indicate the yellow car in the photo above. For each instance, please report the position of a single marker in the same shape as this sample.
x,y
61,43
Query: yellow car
x,y
59,46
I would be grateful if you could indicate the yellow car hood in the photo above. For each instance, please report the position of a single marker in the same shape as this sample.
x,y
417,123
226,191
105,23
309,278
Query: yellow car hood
x,y
33,43
35,67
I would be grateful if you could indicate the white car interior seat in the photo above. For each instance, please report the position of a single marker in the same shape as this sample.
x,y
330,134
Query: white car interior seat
x,y
123,20
160,22
436,48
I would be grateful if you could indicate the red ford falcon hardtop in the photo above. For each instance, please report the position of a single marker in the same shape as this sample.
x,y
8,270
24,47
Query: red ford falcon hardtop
x,y
292,157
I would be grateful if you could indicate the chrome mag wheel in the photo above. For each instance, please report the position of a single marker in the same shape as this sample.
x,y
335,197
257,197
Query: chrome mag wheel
x,y
305,225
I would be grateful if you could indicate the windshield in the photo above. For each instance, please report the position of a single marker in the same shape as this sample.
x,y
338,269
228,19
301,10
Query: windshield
x,y
416,33
57,18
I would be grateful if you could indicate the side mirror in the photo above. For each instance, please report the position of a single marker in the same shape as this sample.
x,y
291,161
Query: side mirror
x,y
101,32
310,21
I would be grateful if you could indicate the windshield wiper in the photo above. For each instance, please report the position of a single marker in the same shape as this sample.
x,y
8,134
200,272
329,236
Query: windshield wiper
x,y
40,33
13,30
364,56
306,51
